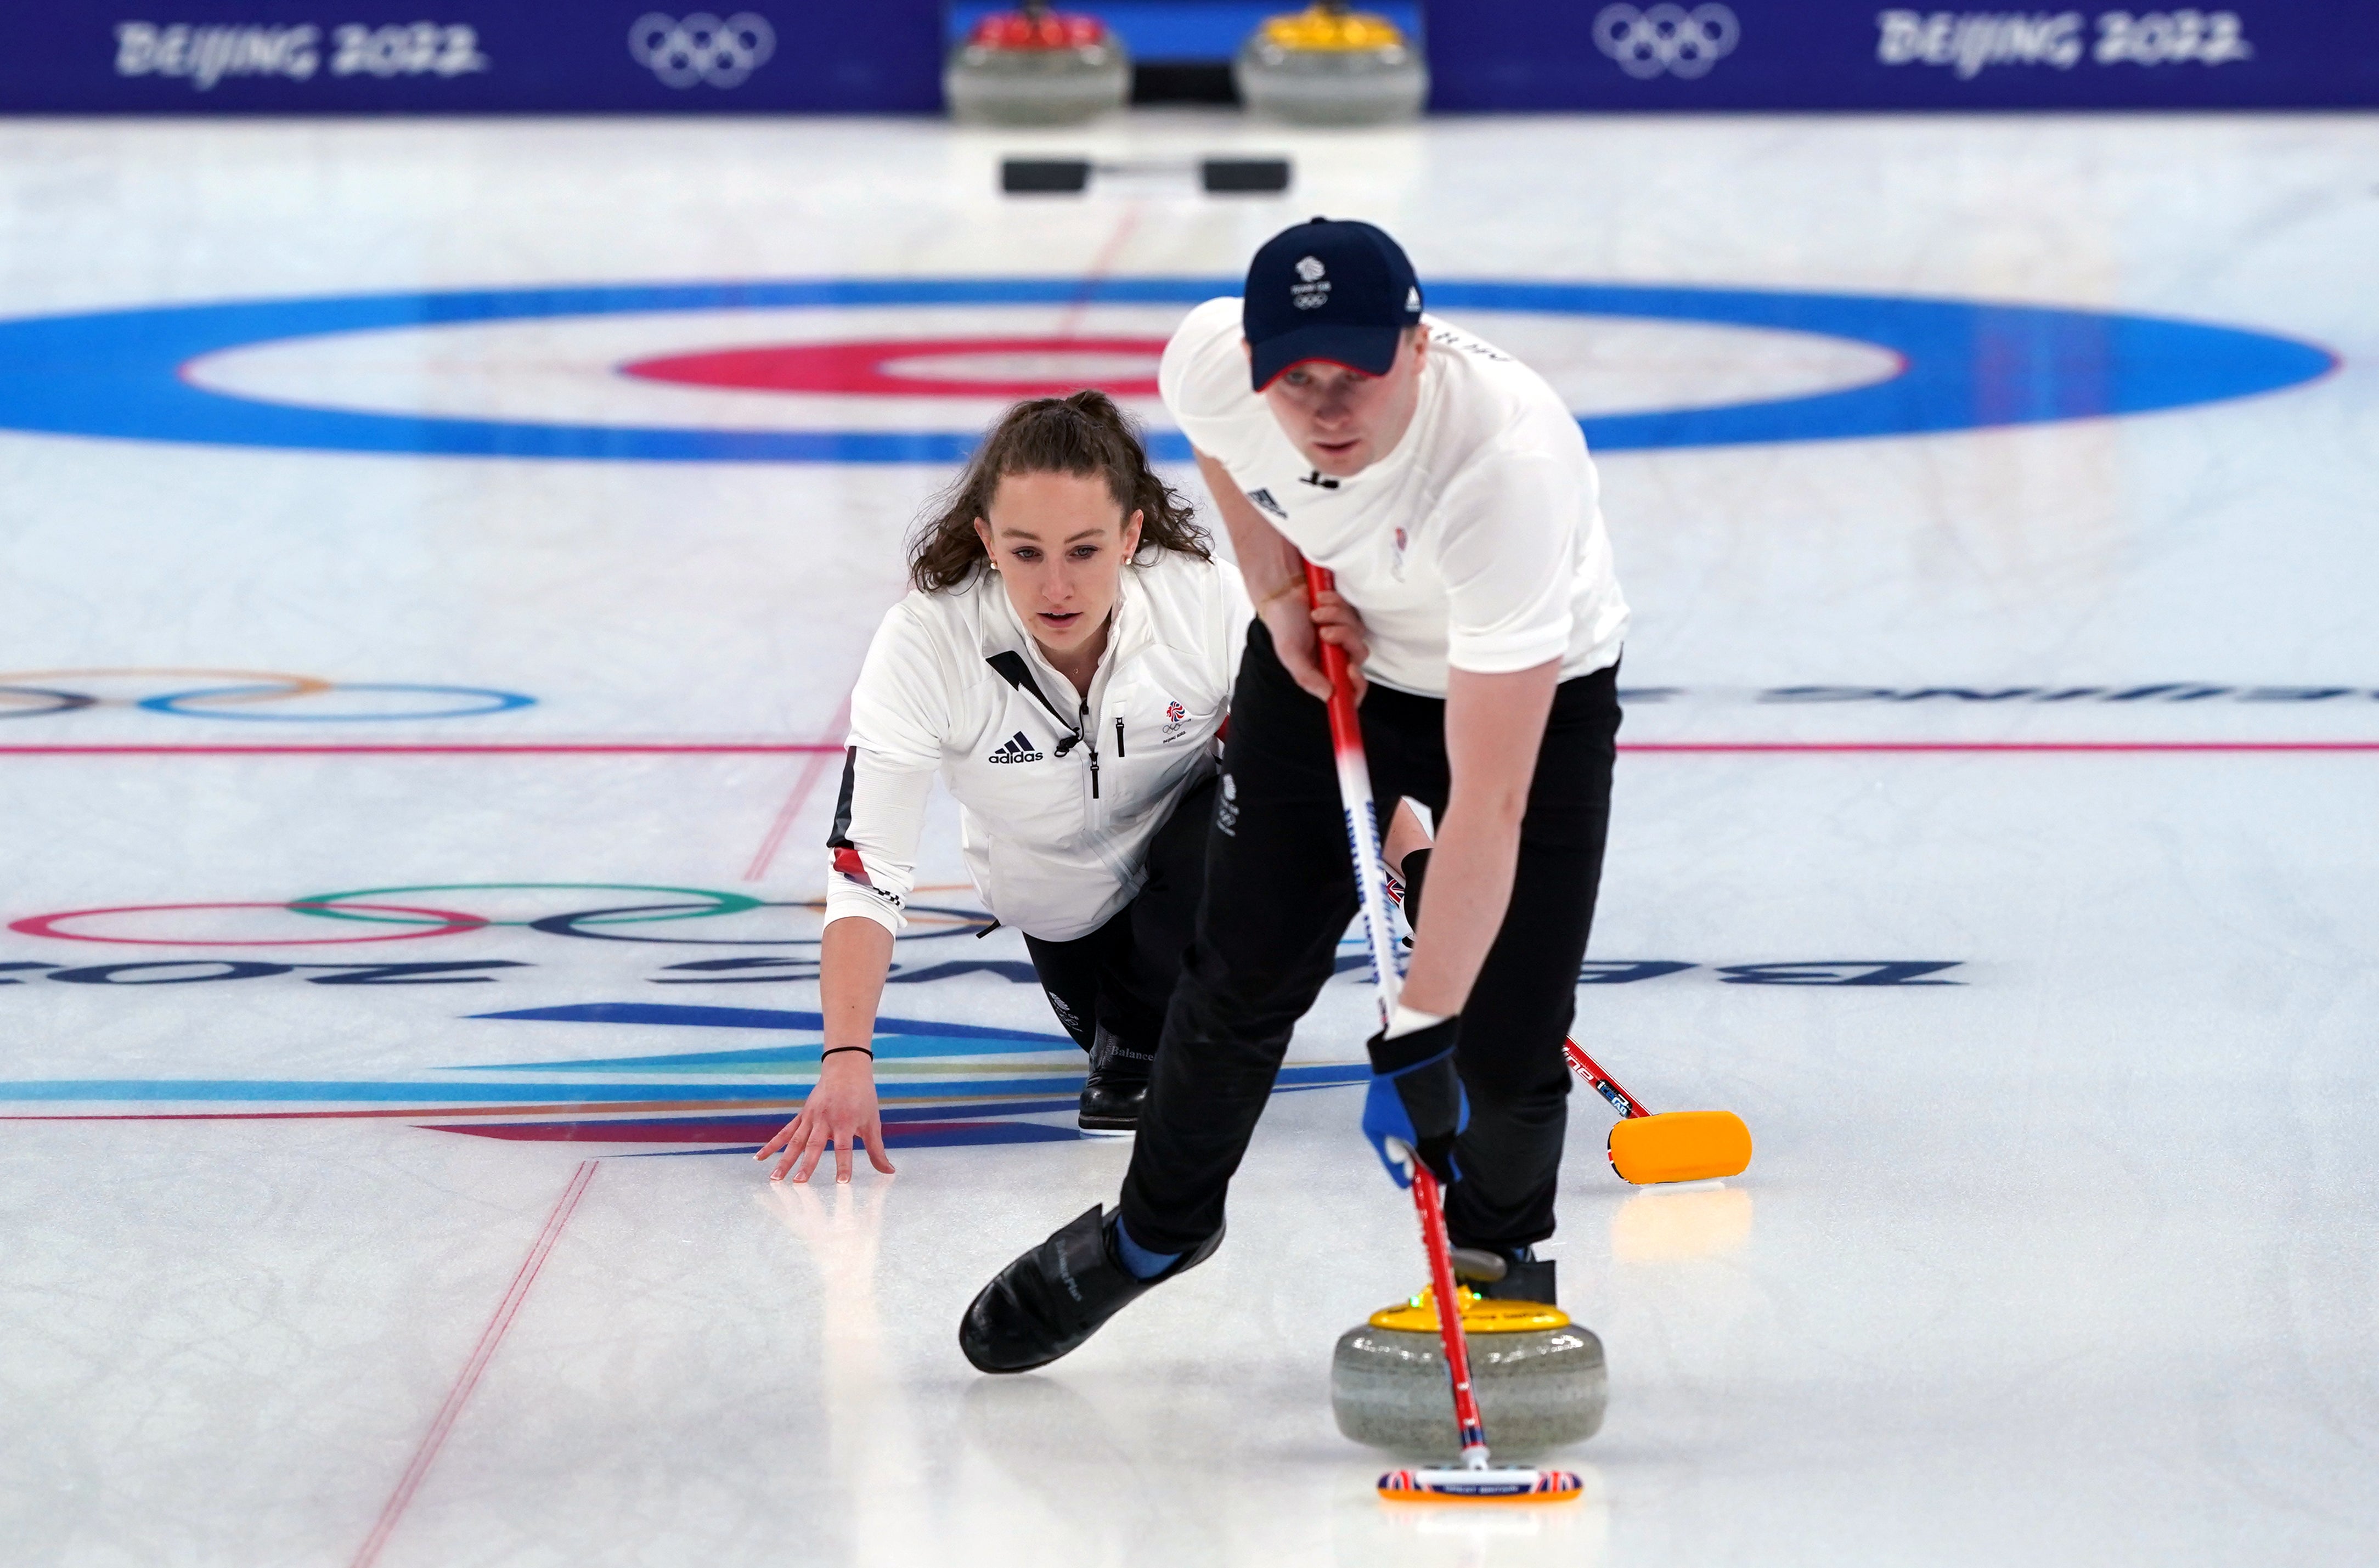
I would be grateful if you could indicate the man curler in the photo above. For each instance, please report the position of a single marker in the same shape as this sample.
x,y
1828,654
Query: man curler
x,y
1448,489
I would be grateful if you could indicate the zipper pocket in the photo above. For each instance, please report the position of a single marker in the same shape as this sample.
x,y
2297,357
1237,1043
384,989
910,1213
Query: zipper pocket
x,y
1118,740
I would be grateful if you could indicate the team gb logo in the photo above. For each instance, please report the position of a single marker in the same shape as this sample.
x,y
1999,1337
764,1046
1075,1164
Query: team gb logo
x,y
1314,291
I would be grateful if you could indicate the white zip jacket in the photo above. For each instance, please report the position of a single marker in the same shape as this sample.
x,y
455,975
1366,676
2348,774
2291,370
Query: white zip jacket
x,y
1058,796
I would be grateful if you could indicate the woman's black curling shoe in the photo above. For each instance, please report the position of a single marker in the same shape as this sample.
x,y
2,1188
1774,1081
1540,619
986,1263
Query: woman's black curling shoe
x,y
1115,1088
1055,1296
1112,1097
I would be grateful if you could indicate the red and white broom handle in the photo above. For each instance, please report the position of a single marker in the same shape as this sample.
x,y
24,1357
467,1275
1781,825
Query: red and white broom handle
x,y
1362,814
1363,843
1601,1082
1449,1314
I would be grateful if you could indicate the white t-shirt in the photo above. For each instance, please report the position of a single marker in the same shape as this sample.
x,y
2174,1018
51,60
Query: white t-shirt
x,y
1478,543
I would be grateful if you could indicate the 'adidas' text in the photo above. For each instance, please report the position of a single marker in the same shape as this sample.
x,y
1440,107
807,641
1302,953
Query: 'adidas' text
x,y
1018,749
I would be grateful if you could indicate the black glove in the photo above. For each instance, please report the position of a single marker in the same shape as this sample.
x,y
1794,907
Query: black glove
x,y
1416,1100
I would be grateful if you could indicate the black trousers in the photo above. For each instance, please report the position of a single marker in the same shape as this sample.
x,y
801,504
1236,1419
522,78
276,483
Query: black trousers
x,y
1280,892
1109,988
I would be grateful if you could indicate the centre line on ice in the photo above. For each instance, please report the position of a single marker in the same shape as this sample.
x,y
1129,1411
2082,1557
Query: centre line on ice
x,y
490,1338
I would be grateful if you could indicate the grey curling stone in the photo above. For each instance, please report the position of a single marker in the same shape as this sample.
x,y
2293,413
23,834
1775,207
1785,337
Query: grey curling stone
x,y
1537,1389
1331,86
987,85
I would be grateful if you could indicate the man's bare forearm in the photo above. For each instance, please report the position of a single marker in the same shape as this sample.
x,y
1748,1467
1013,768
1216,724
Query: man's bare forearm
x,y
1494,725
1469,888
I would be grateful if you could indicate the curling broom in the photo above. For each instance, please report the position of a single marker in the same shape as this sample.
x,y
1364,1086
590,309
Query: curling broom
x,y
1646,1148
1476,1480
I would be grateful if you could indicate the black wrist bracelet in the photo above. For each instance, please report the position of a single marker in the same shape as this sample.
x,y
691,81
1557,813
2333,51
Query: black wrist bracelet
x,y
840,1049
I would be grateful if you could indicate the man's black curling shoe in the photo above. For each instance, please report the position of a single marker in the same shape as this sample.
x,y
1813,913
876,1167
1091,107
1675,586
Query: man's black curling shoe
x,y
1053,1297
1526,1279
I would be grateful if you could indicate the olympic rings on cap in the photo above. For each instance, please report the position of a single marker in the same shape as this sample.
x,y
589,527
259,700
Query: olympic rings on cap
x,y
34,694
701,48
47,925
501,702
1666,38
720,903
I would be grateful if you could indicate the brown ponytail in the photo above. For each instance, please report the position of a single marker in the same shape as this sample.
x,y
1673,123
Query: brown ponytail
x,y
1083,434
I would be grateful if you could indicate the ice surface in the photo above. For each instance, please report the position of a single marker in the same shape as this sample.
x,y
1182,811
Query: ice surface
x,y
2058,1244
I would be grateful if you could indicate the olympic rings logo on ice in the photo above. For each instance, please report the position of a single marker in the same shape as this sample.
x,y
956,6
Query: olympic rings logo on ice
x,y
701,48
32,693
1666,38
418,910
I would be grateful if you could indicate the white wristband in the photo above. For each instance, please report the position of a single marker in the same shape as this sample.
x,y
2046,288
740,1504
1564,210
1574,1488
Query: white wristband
x,y
1411,1020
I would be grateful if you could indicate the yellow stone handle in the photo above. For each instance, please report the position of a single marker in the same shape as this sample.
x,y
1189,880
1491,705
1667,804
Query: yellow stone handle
x,y
1479,1314
1321,27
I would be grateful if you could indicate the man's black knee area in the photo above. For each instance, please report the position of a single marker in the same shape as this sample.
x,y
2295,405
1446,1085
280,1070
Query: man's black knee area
x,y
1512,1081
1247,992
1201,1011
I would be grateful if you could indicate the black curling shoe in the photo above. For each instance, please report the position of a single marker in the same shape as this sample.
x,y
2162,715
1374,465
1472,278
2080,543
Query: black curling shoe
x,y
1111,1104
1115,1089
1499,1276
1053,1297
1525,1278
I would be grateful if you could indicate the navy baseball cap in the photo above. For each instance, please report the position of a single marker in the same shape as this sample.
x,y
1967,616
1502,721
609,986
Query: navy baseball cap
x,y
1334,290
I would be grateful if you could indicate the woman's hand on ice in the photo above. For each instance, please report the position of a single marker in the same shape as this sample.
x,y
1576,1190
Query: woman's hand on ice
x,y
840,1111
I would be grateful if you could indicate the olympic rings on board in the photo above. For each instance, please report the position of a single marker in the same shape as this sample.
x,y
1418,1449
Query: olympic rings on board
x,y
1666,38
47,925
720,903
701,48
29,693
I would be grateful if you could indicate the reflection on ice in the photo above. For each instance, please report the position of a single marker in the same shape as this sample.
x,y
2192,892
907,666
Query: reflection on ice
x,y
1700,1219
872,1441
1447,1535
